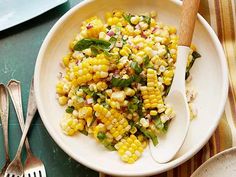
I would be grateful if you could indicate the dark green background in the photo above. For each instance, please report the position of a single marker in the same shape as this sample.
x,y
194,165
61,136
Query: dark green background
x,y
19,47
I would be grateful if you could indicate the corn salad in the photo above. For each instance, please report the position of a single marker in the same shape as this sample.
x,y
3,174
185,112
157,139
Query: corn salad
x,y
116,77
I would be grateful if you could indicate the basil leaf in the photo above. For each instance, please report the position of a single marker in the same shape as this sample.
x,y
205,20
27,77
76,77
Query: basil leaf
x,y
87,43
133,104
118,82
70,109
84,132
101,136
131,123
149,134
136,67
112,40
108,145
139,79
158,123
128,17
132,107
93,120
195,56
95,50
86,90
146,61
168,89
147,20
162,127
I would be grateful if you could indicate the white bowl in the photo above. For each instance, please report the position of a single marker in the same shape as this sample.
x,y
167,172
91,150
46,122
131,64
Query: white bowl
x,y
209,78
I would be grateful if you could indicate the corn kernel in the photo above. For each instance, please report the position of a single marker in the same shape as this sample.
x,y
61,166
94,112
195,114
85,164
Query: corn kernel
x,y
62,100
153,113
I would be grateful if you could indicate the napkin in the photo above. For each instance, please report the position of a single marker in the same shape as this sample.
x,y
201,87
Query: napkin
x,y
13,12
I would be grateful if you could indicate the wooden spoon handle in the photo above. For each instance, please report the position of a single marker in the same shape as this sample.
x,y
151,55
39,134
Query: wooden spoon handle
x,y
188,18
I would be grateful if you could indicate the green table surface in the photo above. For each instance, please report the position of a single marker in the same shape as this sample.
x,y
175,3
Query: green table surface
x,y
19,47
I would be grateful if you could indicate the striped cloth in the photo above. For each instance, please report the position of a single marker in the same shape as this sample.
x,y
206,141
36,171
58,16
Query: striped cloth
x,y
221,15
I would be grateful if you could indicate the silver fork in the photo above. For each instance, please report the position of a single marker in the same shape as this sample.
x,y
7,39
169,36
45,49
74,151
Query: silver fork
x,y
31,162
34,167
4,109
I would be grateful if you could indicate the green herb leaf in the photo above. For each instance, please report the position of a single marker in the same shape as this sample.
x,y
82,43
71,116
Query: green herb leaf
x,y
95,50
149,134
133,104
168,89
70,109
86,90
150,65
146,61
158,123
84,132
127,17
147,20
112,40
93,120
87,43
131,123
162,127
118,82
195,56
136,67
101,136
108,145
139,79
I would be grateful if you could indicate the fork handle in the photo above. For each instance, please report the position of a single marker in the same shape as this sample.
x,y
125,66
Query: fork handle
x,y
14,89
32,108
4,109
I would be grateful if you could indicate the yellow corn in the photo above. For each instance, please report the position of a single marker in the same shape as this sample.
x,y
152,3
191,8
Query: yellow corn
x,y
129,149
168,76
125,51
94,26
70,125
113,120
151,94
63,100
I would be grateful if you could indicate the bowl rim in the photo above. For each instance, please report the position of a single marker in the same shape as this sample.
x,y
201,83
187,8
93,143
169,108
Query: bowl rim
x,y
170,165
210,160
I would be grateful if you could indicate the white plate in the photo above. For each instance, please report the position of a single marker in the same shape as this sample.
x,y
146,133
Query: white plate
x,y
13,12
209,78
220,165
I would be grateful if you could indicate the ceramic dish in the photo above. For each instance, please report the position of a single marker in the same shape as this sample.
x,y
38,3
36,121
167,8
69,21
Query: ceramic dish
x,y
209,73
220,165
15,12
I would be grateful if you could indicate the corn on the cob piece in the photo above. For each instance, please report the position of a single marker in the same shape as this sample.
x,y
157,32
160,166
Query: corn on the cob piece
x,y
129,149
168,76
114,121
100,67
71,125
151,94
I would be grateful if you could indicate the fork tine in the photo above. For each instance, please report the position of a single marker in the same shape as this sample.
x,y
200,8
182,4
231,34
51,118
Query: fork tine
x,y
40,175
29,174
43,172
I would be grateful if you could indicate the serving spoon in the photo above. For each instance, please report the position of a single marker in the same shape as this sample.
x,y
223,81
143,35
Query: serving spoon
x,y
171,142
